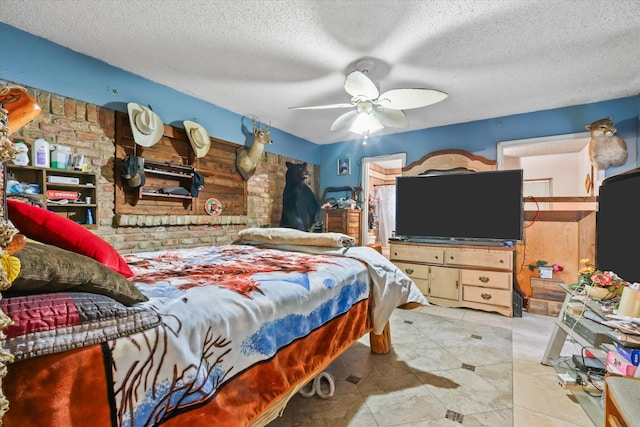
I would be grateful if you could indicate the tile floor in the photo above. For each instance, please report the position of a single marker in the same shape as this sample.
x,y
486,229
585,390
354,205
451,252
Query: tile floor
x,y
447,367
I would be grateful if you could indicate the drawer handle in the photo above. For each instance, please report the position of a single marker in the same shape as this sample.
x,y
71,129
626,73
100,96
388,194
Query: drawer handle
x,y
409,270
483,279
485,296
436,257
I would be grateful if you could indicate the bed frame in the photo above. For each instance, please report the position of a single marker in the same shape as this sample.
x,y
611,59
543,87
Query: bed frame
x,y
238,403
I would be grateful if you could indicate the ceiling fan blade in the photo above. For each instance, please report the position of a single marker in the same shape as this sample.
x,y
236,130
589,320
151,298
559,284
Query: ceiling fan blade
x,y
406,99
343,120
392,118
358,84
323,107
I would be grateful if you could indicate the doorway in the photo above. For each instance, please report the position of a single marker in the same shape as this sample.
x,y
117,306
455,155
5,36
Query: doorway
x,y
556,166
378,190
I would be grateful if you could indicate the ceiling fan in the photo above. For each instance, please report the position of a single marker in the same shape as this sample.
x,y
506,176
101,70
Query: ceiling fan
x,y
373,110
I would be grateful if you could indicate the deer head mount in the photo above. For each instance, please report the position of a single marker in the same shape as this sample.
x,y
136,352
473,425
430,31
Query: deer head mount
x,y
247,158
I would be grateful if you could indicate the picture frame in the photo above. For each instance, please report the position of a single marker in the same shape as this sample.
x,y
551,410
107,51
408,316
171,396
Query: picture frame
x,y
344,166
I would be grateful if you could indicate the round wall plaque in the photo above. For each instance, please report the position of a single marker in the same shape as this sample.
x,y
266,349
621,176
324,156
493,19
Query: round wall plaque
x,y
213,207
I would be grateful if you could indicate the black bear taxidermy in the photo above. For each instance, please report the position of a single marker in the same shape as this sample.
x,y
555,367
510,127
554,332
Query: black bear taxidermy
x,y
300,208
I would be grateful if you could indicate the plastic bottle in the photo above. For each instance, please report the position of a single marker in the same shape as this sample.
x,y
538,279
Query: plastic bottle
x,y
22,157
40,153
89,217
60,156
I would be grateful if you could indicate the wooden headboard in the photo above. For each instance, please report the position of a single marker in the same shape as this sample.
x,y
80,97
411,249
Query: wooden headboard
x,y
450,160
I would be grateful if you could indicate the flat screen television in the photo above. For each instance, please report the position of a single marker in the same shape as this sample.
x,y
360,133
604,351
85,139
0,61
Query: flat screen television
x,y
475,206
618,226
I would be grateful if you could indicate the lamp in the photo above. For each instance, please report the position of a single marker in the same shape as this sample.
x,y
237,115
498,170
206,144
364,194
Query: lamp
x,y
365,121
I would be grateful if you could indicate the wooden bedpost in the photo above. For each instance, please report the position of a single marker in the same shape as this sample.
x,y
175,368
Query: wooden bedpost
x,y
381,344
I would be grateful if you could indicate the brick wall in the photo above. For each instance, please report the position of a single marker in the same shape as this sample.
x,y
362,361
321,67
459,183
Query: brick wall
x,y
90,129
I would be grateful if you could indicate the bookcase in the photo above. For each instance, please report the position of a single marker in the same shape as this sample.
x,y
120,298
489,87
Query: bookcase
x,y
45,183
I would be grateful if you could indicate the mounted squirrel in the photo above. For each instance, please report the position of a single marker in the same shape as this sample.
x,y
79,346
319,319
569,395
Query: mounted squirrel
x,y
605,148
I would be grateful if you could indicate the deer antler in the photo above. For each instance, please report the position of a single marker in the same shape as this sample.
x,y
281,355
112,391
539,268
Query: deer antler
x,y
256,124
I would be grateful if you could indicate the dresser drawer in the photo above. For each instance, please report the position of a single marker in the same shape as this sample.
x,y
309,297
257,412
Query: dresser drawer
x,y
414,271
417,253
502,260
353,228
491,279
486,295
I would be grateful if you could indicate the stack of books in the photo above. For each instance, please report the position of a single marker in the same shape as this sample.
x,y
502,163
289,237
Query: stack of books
x,y
624,358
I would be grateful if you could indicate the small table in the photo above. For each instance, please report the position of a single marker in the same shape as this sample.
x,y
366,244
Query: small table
x,y
587,333
622,401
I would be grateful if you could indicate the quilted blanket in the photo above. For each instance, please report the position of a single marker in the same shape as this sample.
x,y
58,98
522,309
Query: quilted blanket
x,y
222,311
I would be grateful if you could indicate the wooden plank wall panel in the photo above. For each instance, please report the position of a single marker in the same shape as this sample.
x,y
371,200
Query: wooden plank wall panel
x,y
222,180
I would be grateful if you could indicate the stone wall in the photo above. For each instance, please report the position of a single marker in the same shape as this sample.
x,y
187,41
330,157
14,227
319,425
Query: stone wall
x,y
90,130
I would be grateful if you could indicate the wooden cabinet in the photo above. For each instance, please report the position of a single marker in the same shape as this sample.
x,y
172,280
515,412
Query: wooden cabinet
x,y
559,237
479,277
65,182
621,401
546,296
345,221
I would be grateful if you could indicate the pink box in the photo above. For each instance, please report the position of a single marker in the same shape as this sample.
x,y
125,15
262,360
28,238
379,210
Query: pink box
x,y
619,364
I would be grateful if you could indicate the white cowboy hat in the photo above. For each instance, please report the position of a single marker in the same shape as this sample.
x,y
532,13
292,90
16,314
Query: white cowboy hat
x,y
147,126
198,136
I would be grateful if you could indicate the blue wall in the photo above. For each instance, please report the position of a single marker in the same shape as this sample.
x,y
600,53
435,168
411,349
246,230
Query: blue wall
x,y
481,137
39,63
36,62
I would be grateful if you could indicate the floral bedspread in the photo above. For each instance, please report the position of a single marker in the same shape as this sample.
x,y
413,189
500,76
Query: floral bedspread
x,y
222,310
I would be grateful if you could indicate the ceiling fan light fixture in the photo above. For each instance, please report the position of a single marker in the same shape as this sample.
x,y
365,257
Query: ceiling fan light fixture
x,y
373,111
366,124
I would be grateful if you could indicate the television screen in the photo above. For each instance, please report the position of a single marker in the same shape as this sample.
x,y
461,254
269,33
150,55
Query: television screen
x,y
618,226
472,206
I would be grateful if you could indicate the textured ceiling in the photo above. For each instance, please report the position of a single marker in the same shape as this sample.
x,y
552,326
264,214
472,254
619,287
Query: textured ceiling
x,y
257,58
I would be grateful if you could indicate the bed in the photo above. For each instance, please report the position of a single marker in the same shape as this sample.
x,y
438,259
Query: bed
x,y
218,335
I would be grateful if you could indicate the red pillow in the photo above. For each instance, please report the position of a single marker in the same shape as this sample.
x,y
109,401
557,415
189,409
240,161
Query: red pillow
x,y
48,227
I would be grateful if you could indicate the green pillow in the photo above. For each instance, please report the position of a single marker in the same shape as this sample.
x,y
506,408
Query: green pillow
x,y
45,268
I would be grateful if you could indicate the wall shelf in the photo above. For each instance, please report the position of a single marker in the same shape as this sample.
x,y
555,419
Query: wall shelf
x,y
561,216
171,196
75,211
167,173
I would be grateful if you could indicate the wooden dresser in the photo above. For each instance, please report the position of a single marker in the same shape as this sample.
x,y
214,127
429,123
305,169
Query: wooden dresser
x,y
451,275
345,221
